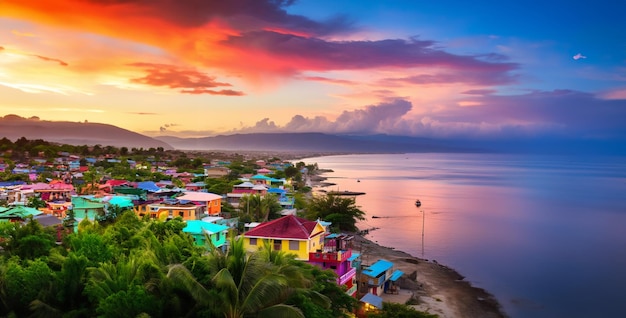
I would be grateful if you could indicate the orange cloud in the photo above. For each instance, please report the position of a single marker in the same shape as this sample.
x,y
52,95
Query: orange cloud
x,y
253,39
50,59
189,81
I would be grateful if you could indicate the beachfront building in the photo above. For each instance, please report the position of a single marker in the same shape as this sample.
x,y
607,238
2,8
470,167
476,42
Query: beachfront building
x,y
380,277
201,230
336,254
290,234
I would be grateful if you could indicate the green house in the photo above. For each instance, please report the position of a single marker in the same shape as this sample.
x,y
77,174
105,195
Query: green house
x,y
199,230
87,208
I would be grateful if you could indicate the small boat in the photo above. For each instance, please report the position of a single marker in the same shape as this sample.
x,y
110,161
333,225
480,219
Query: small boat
x,y
418,203
358,180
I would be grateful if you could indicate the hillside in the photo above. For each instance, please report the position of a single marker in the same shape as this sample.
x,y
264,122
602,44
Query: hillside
x,y
75,133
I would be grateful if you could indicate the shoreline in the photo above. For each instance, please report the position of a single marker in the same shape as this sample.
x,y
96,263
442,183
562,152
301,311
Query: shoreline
x,y
428,286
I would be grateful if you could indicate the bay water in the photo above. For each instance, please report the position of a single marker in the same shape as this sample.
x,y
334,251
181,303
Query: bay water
x,y
546,235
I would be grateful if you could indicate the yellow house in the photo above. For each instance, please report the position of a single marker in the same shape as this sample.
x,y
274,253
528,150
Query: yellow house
x,y
290,234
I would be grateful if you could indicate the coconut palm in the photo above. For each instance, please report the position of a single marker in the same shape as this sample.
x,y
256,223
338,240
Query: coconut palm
x,y
242,285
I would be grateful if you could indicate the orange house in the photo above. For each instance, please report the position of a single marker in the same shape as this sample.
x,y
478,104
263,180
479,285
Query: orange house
x,y
212,201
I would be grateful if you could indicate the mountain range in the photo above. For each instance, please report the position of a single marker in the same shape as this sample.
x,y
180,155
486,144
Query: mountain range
x,y
14,127
85,133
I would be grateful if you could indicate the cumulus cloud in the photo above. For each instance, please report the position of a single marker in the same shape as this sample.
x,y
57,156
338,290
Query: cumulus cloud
x,y
579,56
187,80
541,113
370,119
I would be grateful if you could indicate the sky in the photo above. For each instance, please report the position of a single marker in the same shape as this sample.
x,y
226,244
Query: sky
x,y
438,69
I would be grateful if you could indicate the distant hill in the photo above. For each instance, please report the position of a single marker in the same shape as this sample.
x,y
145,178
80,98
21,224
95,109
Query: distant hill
x,y
311,142
73,133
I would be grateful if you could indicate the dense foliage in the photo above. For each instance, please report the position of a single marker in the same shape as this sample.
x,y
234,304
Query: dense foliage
x,y
341,211
148,267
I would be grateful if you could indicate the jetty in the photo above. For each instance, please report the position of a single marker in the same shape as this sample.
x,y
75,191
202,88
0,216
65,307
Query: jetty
x,y
344,193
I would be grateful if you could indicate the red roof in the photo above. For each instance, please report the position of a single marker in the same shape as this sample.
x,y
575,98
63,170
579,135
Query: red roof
x,y
287,227
116,182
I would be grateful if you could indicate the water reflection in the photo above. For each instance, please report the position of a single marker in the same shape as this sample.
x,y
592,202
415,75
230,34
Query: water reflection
x,y
529,229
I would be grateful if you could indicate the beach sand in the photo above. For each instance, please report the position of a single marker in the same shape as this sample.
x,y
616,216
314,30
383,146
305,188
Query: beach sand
x,y
432,287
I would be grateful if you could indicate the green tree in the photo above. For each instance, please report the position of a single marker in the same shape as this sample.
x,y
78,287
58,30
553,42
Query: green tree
x,y
341,211
36,202
110,285
241,285
28,241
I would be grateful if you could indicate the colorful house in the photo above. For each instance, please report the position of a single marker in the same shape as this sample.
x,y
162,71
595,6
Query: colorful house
x,y
290,234
18,213
200,230
212,202
336,254
89,208
188,211
380,277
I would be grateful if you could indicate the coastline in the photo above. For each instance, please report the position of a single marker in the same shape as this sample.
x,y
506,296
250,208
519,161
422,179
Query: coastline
x,y
428,286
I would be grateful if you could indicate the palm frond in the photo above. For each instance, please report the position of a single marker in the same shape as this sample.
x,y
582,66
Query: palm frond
x,y
281,311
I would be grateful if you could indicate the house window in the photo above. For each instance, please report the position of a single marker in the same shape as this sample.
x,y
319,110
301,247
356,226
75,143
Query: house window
x,y
294,245
253,241
181,213
217,236
277,245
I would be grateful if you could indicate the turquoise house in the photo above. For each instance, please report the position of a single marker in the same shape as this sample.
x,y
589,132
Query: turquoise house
x,y
199,230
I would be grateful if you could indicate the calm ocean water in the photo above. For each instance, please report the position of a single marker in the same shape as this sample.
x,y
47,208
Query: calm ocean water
x,y
545,234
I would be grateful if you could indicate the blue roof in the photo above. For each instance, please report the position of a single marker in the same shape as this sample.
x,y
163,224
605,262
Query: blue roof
x,y
378,268
11,183
373,300
276,190
199,227
354,256
396,274
148,186
123,202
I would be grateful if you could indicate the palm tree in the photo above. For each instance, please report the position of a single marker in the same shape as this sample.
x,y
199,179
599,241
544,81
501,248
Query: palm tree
x,y
241,285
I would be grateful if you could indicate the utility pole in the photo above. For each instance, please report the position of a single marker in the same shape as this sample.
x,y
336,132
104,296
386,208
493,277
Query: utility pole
x,y
423,222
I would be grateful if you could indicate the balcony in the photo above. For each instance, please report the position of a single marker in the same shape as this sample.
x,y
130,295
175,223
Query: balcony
x,y
337,256
343,279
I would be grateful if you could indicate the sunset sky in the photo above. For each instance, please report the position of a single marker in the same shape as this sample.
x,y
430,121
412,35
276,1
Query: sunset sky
x,y
194,68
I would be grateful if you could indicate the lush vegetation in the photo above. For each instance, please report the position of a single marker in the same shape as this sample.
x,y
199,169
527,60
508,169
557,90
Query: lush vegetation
x,y
151,268
341,211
